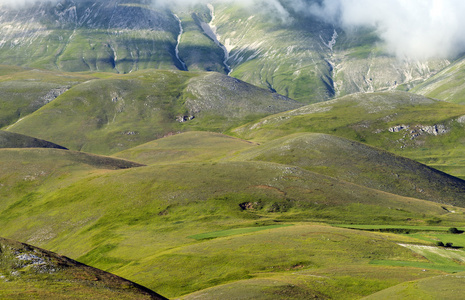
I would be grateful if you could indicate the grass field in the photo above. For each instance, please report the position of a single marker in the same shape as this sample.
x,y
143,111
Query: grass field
x,y
229,232
438,287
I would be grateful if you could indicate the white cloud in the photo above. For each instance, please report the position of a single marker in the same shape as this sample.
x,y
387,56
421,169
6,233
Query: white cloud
x,y
410,28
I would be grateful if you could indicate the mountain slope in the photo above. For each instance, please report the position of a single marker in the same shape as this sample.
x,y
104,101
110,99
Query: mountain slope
x,y
23,91
109,115
307,58
15,140
446,85
86,35
360,164
404,123
297,55
31,272
133,222
192,146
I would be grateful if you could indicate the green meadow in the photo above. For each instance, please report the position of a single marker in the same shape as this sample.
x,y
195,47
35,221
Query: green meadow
x,y
197,185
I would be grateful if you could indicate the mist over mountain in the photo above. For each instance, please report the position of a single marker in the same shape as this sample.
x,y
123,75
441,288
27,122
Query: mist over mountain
x,y
417,29
411,29
306,50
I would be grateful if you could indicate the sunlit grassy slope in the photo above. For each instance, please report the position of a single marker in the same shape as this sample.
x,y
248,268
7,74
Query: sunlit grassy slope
x,y
439,287
195,146
28,272
190,212
172,225
140,223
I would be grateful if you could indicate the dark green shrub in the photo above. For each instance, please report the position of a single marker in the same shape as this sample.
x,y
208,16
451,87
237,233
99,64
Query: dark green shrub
x,y
449,244
440,244
454,230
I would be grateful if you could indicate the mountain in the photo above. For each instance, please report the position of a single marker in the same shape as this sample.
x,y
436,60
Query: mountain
x,y
302,57
226,150
88,35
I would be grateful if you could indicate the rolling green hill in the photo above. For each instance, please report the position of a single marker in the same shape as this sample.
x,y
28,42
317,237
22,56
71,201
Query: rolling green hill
x,y
109,115
407,124
440,287
23,91
360,164
145,223
195,146
203,193
223,187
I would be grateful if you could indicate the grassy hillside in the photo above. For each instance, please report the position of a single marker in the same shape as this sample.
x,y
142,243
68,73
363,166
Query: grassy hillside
x,y
30,272
144,223
171,225
109,115
24,171
23,91
186,147
446,85
406,124
15,140
361,164
191,212
439,287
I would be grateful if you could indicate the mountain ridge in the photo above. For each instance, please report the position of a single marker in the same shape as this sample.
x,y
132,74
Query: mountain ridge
x,y
304,58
